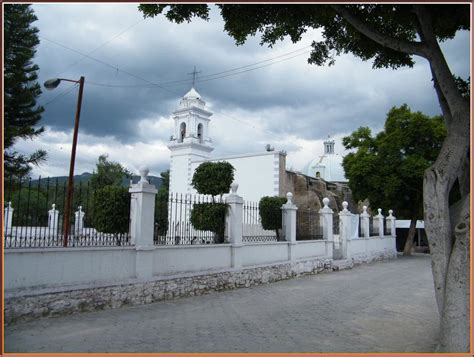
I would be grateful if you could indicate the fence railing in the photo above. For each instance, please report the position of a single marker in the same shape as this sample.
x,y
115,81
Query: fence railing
x,y
34,215
173,221
252,229
308,225
373,227
335,223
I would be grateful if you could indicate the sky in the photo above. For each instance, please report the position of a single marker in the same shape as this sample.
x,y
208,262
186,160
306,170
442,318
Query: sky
x,y
286,102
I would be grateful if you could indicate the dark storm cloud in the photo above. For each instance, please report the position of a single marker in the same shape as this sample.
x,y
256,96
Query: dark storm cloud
x,y
287,99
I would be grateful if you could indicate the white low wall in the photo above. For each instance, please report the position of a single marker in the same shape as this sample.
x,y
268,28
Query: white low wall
x,y
192,258
311,249
33,267
56,267
264,253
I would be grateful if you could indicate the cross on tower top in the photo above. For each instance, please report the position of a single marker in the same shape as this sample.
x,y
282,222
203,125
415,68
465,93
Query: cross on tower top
x,y
194,75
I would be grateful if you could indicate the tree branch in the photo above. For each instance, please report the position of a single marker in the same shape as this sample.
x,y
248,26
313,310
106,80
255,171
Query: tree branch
x,y
408,47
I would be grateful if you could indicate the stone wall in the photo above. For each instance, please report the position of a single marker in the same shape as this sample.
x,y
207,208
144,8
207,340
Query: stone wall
x,y
35,303
308,192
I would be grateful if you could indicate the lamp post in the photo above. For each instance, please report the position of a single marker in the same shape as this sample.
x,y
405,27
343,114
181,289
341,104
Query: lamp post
x,y
51,84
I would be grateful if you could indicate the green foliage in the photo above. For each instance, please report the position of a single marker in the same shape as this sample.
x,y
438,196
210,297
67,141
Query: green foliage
x,y
21,88
274,22
112,209
270,213
213,178
210,217
388,168
109,173
161,204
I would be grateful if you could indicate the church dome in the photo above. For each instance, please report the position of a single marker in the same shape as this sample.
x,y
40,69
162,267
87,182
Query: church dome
x,y
327,166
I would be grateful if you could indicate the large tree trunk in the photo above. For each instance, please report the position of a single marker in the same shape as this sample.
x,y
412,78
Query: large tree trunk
x,y
448,257
411,234
448,251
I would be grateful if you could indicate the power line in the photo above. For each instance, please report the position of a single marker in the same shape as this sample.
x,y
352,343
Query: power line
x,y
209,77
106,64
62,94
100,46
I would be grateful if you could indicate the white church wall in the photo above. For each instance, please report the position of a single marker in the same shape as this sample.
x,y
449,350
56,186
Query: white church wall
x,y
257,174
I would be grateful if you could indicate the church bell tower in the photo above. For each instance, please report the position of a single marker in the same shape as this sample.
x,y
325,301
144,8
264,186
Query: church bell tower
x,y
190,141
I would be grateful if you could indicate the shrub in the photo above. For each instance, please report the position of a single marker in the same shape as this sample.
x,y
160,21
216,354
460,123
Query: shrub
x,y
112,209
210,217
213,178
270,213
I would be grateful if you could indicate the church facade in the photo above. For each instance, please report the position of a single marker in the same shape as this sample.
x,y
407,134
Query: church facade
x,y
258,174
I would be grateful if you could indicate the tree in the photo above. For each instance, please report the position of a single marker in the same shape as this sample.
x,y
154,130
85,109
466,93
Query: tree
x,y
212,178
388,168
390,35
270,213
109,173
22,113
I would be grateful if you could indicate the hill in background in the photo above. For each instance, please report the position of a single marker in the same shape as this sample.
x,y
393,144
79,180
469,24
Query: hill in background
x,y
85,177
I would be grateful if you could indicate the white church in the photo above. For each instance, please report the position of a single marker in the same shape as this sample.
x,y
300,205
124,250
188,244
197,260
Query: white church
x,y
258,174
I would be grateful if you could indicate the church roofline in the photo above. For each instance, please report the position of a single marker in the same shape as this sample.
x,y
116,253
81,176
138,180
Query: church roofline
x,y
222,158
191,108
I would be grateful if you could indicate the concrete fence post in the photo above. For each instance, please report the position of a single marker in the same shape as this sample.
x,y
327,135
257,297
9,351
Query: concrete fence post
x,y
234,224
391,221
53,221
365,222
78,221
345,231
380,219
142,217
289,223
327,220
8,217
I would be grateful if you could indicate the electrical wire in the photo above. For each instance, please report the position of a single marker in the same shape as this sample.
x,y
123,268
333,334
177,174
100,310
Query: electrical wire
x,y
100,46
62,94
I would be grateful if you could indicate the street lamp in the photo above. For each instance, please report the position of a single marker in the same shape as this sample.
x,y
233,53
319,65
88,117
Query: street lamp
x,y
51,84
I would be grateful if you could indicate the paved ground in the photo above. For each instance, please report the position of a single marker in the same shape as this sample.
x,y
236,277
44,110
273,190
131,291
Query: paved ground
x,y
386,306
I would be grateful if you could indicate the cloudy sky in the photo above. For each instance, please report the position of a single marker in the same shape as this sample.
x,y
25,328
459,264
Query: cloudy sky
x,y
285,102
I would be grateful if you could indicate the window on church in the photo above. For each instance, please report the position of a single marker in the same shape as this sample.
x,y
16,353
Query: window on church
x,y
318,174
182,132
200,133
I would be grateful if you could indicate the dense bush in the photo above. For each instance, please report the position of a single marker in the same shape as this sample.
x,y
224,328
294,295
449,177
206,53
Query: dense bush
x,y
212,178
270,213
210,217
112,209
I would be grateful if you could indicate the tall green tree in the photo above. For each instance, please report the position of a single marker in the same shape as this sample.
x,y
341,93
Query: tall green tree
x,y
108,173
22,113
390,35
388,168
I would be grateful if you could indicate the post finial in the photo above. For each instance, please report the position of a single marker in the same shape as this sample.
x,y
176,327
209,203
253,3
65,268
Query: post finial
x,y
53,206
326,202
233,187
344,206
143,174
364,209
379,210
390,212
289,197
